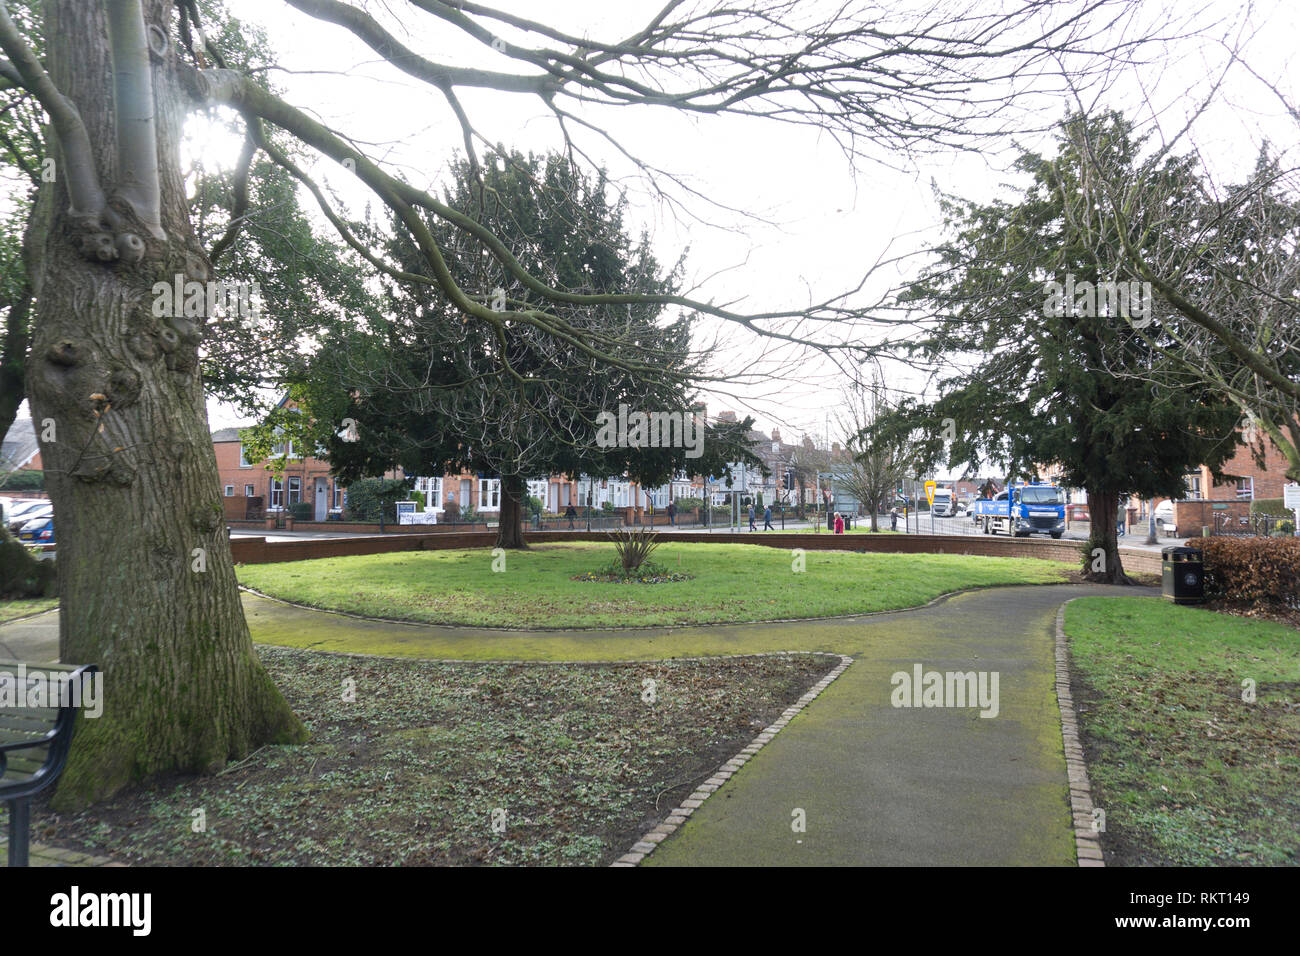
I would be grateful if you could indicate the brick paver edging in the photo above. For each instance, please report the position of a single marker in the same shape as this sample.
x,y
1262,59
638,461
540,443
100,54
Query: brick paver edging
x,y
1086,835
28,617
52,856
41,854
646,845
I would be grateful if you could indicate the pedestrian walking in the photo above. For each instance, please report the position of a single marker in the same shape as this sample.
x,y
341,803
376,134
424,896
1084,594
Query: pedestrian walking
x,y
672,513
570,513
752,526
767,519
1120,520
839,523
893,519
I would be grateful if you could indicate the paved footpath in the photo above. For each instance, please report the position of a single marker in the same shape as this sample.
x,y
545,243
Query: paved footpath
x,y
877,784
893,786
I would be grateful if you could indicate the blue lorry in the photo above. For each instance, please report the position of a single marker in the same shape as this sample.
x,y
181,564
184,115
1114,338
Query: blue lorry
x,y
1023,509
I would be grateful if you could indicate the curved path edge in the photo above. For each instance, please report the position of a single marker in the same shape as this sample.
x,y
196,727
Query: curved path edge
x,y
1086,823
964,798
677,817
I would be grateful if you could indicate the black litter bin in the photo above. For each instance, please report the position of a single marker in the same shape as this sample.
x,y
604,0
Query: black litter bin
x,y
1184,575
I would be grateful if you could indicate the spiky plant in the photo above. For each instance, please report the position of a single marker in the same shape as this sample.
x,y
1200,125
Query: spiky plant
x,y
634,546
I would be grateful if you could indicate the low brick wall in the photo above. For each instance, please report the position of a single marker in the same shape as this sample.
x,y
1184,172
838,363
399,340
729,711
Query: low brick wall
x,y
1044,549
354,527
262,551
1191,516
24,495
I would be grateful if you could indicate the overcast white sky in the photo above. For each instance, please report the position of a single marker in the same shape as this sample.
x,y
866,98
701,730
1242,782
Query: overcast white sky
x,y
834,220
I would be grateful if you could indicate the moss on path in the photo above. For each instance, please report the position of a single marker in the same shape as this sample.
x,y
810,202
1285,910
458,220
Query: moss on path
x,y
877,784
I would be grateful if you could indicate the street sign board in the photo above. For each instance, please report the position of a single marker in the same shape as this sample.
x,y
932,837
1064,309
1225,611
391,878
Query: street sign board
x,y
1291,496
929,490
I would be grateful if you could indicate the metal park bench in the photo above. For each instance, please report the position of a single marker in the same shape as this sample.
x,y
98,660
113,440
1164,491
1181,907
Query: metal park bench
x,y
34,740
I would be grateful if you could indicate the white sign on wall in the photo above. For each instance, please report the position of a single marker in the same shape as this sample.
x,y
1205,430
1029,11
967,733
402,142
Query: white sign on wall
x,y
1291,496
406,514
417,517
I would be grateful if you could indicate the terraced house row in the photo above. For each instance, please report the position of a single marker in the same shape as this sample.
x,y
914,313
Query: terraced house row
x,y
250,491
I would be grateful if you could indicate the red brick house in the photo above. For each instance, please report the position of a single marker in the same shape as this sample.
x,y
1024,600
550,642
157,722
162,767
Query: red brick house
x,y
249,487
1212,504
1248,480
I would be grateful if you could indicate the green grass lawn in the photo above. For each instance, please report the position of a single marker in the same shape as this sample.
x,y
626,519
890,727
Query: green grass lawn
x,y
1187,771
10,610
731,583
436,763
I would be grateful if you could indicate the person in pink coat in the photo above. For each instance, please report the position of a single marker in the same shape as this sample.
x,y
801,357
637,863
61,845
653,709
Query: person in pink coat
x,y
839,523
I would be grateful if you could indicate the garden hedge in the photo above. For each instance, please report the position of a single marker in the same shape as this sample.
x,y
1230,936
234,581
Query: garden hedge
x,y
1260,571
22,574
23,480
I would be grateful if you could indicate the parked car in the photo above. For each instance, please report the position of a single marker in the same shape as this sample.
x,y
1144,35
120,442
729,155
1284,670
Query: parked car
x,y
25,511
38,531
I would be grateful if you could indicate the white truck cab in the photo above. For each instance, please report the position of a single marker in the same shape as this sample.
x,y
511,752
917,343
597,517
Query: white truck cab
x,y
944,506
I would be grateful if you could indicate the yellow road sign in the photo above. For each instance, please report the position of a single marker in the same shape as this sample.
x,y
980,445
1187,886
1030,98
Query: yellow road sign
x,y
929,491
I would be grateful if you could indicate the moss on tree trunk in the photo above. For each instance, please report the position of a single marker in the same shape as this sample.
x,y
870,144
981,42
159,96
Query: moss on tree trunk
x,y
146,582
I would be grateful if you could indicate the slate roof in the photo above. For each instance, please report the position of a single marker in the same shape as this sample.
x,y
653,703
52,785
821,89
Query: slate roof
x,y
19,446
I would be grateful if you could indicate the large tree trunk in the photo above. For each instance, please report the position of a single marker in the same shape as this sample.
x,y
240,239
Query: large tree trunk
x,y
146,583
510,526
1102,562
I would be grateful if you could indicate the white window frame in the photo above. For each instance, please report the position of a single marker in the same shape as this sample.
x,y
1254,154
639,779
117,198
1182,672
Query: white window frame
x,y
1193,483
1249,489
277,495
230,491
620,493
489,494
431,488
250,491
243,462
295,490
